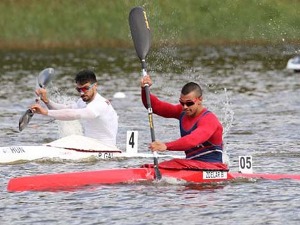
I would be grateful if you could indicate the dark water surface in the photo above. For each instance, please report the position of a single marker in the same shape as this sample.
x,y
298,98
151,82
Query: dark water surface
x,y
249,89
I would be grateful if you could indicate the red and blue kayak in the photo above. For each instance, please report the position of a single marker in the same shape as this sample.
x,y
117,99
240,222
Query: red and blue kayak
x,y
189,172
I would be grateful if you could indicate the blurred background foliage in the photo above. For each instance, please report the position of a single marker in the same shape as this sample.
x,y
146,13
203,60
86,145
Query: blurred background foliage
x,y
96,23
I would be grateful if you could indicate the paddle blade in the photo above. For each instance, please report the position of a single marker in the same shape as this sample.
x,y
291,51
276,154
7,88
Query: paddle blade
x,y
25,118
140,31
45,77
43,80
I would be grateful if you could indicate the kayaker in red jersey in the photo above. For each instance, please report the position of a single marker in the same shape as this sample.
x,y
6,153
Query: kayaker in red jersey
x,y
201,131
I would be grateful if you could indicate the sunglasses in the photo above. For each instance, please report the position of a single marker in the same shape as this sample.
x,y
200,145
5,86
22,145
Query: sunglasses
x,y
84,89
188,103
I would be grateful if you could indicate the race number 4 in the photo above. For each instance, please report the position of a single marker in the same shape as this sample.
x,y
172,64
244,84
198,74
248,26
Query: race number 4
x,y
132,142
245,164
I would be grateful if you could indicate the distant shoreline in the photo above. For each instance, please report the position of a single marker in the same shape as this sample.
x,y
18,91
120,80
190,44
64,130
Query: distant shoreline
x,y
111,44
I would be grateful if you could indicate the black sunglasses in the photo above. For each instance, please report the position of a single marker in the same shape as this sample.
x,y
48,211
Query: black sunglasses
x,y
187,103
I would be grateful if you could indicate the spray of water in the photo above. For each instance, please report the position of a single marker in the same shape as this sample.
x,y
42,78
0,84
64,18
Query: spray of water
x,y
219,103
65,128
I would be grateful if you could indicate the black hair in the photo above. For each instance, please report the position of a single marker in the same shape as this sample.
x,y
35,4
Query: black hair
x,y
190,87
85,76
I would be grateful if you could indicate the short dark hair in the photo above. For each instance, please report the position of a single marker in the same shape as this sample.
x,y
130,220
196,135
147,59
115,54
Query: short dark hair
x,y
190,87
85,76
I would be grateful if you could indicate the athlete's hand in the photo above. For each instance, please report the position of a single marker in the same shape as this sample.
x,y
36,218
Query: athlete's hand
x,y
37,108
146,80
42,93
158,146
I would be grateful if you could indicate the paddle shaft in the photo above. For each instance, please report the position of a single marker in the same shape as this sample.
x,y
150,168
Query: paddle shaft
x,y
149,107
150,117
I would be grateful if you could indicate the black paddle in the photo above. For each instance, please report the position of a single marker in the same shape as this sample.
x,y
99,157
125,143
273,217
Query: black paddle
x,y
140,32
43,80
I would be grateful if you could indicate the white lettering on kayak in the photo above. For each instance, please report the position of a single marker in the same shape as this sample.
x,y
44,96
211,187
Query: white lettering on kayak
x,y
105,155
211,175
17,150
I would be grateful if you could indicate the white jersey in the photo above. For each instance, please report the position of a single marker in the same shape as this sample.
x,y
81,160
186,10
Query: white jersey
x,y
98,118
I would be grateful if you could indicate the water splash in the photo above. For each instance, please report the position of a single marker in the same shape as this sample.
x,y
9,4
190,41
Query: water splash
x,y
65,128
228,114
220,104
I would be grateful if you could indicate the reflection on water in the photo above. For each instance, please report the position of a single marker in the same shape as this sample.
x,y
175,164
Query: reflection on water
x,y
247,87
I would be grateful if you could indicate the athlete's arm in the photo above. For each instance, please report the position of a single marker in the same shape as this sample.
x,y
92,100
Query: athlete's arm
x,y
162,108
72,114
56,106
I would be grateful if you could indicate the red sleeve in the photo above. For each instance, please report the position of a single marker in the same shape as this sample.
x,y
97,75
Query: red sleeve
x,y
208,129
162,108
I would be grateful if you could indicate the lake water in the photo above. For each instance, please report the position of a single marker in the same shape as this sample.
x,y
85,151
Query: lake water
x,y
249,89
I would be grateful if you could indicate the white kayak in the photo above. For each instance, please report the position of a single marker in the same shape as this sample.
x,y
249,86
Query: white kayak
x,y
73,147
294,64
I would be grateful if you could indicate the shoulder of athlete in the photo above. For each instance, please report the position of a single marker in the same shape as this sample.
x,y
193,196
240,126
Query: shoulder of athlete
x,y
209,118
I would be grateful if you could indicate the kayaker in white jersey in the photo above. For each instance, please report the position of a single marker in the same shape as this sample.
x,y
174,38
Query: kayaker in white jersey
x,y
97,116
